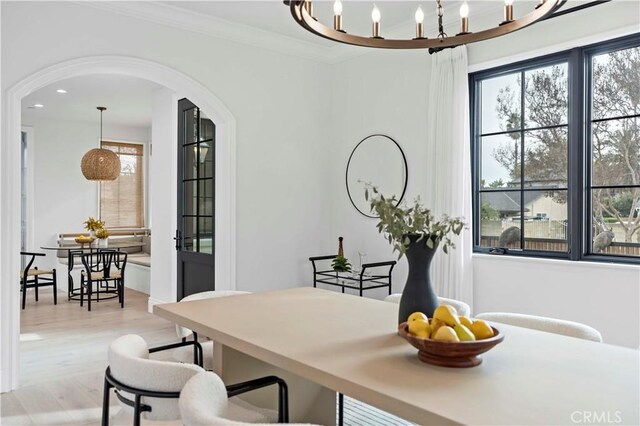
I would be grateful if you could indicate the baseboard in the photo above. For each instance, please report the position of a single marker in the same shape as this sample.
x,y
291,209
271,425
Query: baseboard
x,y
152,301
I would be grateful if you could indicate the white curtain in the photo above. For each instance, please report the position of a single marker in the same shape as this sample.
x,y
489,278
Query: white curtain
x,y
449,168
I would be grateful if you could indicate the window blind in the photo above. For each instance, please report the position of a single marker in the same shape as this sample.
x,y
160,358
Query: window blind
x,y
122,200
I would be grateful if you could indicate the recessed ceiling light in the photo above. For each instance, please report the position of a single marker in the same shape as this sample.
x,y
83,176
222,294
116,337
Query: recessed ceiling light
x,y
61,91
38,106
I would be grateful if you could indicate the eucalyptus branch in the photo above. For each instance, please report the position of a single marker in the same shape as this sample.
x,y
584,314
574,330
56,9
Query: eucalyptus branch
x,y
399,221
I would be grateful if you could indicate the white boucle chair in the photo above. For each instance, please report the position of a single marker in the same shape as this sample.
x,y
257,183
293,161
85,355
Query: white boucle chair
x,y
460,307
550,325
204,401
151,387
185,354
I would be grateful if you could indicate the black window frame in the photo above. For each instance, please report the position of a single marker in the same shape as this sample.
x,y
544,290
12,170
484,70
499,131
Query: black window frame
x,y
579,157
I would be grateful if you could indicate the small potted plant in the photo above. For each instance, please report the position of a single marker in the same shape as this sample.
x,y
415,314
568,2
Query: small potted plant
x,y
340,263
413,231
102,235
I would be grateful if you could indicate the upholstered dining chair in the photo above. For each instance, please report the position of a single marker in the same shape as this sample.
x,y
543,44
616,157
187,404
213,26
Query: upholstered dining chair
x,y
205,401
150,388
103,268
460,307
186,354
550,325
32,277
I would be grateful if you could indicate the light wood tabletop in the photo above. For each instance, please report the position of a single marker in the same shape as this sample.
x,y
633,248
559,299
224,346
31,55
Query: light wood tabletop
x,y
349,344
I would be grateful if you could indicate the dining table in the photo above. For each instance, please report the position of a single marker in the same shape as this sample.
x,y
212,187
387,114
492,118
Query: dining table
x,y
323,343
77,250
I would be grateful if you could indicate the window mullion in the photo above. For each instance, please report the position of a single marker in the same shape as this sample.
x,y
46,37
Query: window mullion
x,y
576,176
522,113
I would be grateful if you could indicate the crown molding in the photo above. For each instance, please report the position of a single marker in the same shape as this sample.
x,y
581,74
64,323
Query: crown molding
x,y
177,17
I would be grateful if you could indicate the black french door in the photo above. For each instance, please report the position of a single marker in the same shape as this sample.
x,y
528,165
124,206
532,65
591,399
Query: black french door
x,y
196,200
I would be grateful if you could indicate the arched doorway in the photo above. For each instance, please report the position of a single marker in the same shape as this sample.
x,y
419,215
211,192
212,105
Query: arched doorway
x,y
183,86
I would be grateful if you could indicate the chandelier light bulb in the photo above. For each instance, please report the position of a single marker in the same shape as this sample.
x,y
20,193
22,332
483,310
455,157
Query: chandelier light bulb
x,y
419,15
337,7
375,14
464,10
508,11
419,22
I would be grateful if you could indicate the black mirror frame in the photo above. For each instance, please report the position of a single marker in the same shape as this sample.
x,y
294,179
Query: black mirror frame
x,y
406,172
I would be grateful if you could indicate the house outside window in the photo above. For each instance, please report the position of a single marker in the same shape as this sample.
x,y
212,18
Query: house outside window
x,y
556,150
122,200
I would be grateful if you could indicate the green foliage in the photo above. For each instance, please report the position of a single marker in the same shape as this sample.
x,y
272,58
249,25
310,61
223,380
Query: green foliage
x,y
488,212
92,224
497,184
398,222
341,264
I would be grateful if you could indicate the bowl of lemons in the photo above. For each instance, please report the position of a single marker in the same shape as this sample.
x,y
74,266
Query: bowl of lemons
x,y
84,239
449,340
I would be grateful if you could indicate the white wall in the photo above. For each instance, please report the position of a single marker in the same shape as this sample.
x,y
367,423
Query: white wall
x,y
62,197
278,102
387,92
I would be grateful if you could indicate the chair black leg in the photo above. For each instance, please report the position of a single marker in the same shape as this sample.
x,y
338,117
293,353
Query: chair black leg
x,y
55,288
340,409
24,294
105,403
36,286
89,291
81,290
121,293
136,411
283,402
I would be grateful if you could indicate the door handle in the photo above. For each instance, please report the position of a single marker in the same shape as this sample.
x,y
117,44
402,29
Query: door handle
x,y
178,239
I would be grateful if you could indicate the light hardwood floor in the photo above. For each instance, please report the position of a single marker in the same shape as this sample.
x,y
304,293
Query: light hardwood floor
x,y
63,355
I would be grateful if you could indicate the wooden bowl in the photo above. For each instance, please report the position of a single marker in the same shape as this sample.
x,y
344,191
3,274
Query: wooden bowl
x,y
450,354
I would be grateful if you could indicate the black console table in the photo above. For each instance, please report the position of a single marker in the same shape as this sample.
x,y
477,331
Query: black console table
x,y
361,282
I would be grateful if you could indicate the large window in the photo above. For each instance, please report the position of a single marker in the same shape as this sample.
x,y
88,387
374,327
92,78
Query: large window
x,y
122,201
556,148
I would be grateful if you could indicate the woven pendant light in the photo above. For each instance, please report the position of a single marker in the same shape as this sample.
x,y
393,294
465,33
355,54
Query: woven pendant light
x,y
100,164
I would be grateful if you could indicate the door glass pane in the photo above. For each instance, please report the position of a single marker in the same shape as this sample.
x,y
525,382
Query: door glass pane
x,y
207,128
190,199
190,156
546,96
545,221
500,161
499,214
206,197
190,126
189,233
206,159
500,103
206,235
546,158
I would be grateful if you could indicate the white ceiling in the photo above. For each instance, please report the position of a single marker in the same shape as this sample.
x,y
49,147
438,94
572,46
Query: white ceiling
x,y
268,23
128,100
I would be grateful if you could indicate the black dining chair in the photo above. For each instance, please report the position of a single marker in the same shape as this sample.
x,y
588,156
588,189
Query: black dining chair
x,y
105,268
35,278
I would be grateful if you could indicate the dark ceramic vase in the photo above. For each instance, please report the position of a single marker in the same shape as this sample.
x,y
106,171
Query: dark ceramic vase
x,y
418,294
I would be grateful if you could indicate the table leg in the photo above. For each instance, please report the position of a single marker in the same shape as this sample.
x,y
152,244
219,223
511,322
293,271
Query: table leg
x,y
309,402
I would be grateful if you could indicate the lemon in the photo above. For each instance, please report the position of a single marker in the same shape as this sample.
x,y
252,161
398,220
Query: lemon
x,y
447,314
481,329
466,321
417,315
420,328
446,334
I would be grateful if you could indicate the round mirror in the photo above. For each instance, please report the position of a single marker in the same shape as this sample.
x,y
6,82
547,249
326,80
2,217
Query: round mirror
x,y
379,160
